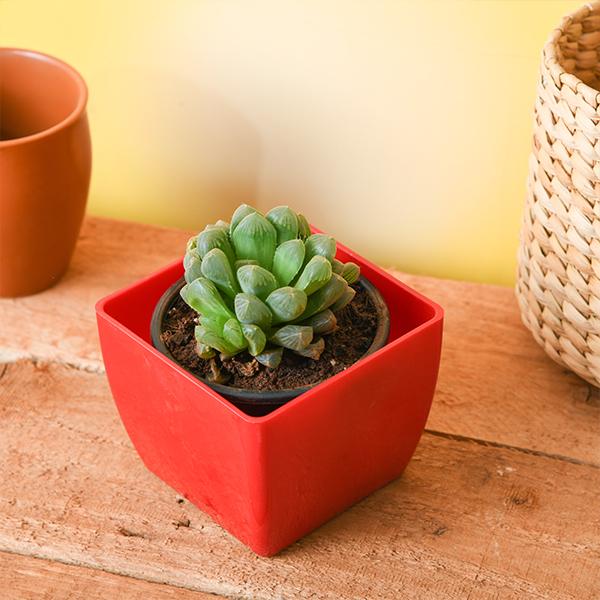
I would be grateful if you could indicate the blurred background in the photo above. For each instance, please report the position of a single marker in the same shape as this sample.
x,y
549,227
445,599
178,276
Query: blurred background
x,y
402,128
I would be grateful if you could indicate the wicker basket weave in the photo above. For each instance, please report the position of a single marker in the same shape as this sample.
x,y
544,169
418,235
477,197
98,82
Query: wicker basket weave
x,y
558,285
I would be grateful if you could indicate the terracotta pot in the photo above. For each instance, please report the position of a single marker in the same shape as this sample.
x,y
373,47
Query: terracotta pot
x,y
45,163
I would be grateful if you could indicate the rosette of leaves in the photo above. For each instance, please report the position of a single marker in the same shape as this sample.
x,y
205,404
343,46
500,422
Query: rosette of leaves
x,y
264,284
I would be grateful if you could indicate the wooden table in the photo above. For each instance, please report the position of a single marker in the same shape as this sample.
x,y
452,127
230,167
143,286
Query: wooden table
x,y
502,498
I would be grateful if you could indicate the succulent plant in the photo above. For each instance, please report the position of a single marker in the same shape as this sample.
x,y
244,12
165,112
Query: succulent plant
x,y
265,284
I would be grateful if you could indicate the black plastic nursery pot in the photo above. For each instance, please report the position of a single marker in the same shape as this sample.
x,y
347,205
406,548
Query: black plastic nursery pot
x,y
262,402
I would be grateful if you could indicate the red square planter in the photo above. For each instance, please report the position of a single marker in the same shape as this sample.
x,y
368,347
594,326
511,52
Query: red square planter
x,y
270,480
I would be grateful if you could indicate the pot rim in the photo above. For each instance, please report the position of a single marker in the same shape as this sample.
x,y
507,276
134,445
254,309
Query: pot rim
x,y
273,398
71,118
552,55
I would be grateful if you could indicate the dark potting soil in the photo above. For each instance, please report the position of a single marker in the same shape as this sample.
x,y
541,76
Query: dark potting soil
x,y
357,324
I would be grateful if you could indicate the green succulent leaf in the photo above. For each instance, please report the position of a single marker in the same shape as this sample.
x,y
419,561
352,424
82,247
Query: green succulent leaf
x,y
351,272
215,238
239,214
315,275
192,263
223,224
256,338
256,239
288,260
337,266
344,299
191,244
322,323
285,221
320,244
270,358
250,309
313,350
303,227
204,351
217,268
213,324
233,334
203,296
209,338
190,256
286,304
294,337
243,263
256,280
326,296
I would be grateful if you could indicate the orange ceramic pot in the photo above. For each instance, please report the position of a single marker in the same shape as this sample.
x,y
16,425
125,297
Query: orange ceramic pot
x,y
45,164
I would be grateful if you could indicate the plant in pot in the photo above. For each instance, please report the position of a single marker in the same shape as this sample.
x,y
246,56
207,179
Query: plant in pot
x,y
256,309
273,377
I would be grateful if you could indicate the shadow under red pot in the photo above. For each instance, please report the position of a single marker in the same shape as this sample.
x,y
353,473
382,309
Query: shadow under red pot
x,y
256,402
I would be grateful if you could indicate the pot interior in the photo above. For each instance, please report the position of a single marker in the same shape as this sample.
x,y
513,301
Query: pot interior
x,y
36,93
576,45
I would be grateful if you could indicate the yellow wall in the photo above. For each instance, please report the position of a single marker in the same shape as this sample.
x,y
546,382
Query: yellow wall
x,y
402,128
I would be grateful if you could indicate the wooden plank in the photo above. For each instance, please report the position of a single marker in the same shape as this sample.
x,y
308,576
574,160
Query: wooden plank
x,y
28,578
466,520
60,324
495,382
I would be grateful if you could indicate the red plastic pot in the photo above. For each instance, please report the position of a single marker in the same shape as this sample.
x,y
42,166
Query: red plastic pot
x,y
270,480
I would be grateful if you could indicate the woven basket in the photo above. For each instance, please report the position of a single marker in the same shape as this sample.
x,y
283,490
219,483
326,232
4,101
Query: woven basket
x,y
558,284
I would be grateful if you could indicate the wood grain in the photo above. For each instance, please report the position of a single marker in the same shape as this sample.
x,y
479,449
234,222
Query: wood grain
x,y
28,578
59,324
495,382
466,520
